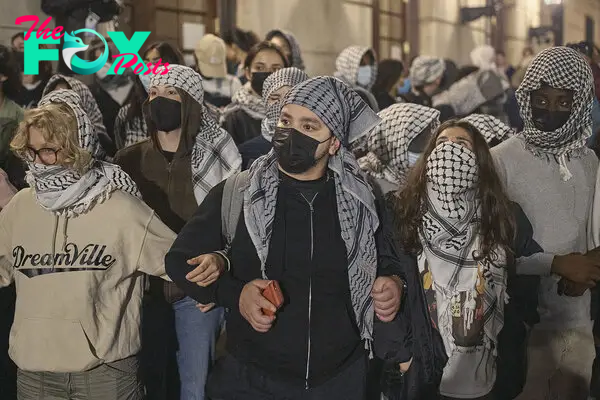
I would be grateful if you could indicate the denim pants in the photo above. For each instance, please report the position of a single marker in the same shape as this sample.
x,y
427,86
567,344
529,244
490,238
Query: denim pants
x,y
197,335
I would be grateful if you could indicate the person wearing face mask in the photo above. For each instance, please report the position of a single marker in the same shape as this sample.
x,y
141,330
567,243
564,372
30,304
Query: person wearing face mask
x,y
493,130
276,87
357,67
308,219
77,244
186,154
454,215
111,92
548,170
289,45
425,76
90,106
396,144
389,78
243,117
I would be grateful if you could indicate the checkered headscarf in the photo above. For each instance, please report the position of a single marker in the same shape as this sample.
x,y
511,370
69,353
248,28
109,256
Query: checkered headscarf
x,y
348,62
348,117
214,156
426,69
296,60
88,102
245,99
284,77
450,238
561,68
388,143
63,190
489,126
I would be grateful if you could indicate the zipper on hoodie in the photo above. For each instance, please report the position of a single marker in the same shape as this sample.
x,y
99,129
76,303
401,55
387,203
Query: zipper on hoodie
x,y
312,241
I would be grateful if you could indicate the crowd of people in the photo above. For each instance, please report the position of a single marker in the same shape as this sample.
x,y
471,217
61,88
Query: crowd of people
x,y
235,229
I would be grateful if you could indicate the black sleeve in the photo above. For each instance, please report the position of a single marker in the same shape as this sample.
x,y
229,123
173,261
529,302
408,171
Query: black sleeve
x,y
525,245
202,235
235,129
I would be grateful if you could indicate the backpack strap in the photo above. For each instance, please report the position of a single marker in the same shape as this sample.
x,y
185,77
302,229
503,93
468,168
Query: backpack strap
x,y
231,205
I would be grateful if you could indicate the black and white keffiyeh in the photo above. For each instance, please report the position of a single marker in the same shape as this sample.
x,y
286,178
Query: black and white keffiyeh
x,y
560,68
214,155
296,60
349,118
88,102
284,77
129,131
452,170
245,99
490,127
388,143
348,62
66,192
426,69
450,240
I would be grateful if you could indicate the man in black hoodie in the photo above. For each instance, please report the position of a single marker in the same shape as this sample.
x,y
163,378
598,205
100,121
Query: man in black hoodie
x,y
309,222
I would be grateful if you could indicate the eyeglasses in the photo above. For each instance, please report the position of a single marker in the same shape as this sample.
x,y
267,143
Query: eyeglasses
x,y
46,155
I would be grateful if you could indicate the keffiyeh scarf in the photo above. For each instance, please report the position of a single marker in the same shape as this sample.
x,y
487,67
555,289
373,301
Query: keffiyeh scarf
x,y
388,143
245,99
88,103
284,77
490,127
349,118
449,235
214,155
65,191
561,68
296,60
426,69
348,62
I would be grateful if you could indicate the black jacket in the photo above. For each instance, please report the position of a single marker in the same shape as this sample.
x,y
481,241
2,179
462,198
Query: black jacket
x,y
241,126
253,149
282,352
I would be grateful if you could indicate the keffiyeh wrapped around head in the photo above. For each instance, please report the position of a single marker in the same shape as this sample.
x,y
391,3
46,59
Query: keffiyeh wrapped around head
x,y
296,60
214,154
349,118
348,62
560,68
490,127
388,143
245,99
66,191
284,77
426,69
87,102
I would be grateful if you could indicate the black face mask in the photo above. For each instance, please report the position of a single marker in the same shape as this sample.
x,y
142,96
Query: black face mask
x,y
549,121
295,151
258,80
165,113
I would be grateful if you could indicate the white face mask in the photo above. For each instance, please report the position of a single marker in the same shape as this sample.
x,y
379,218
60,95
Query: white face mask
x,y
145,79
413,158
103,73
364,75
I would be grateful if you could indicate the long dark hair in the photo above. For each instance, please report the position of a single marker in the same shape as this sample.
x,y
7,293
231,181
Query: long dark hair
x,y
262,46
388,74
168,53
497,228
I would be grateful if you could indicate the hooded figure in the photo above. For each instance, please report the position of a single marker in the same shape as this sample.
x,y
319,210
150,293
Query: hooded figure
x,y
294,54
390,154
548,170
493,130
356,66
87,102
92,240
261,145
426,74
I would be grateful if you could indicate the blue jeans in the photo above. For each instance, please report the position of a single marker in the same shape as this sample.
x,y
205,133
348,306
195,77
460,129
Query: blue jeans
x,y
197,335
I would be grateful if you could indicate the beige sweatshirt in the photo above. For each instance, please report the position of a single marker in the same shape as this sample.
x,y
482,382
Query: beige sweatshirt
x,y
85,309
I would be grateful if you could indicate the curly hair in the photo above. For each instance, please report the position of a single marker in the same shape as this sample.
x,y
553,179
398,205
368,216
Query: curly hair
x,y
58,125
498,226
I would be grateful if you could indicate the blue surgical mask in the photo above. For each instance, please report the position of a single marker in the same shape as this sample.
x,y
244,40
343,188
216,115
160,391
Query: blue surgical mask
x,y
145,79
365,74
405,88
413,158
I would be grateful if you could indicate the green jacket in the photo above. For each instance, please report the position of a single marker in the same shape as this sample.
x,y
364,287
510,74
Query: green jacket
x,y
10,116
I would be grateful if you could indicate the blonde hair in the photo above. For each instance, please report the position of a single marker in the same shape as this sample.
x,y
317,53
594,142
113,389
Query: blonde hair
x,y
58,125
